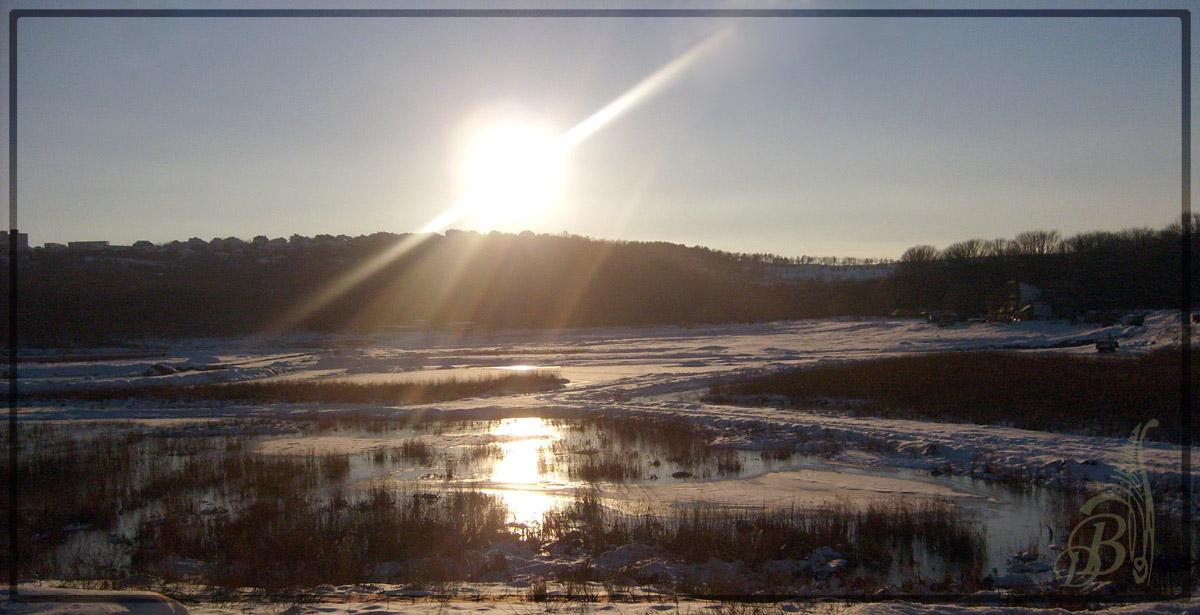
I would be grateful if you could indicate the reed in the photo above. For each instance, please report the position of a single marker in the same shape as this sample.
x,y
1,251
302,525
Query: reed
x,y
1102,396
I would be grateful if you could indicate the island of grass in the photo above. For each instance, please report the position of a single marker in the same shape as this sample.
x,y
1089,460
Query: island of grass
x,y
1099,396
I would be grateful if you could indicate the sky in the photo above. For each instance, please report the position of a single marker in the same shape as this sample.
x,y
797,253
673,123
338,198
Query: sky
x,y
792,136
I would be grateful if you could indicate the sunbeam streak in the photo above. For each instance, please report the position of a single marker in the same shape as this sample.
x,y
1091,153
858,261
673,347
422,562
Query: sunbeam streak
x,y
643,90
639,93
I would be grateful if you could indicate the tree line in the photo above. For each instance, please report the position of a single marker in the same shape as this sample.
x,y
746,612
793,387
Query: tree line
x,y
1100,270
461,279
500,280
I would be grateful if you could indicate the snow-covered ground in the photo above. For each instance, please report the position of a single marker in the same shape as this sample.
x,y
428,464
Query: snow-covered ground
x,y
646,371
642,371
343,601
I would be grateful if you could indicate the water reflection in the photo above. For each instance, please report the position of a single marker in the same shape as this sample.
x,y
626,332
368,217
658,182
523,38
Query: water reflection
x,y
521,440
535,465
520,476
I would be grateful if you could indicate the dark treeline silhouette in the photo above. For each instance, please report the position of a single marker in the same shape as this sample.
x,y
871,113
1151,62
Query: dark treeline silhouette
x,y
1094,271
497,280
232,287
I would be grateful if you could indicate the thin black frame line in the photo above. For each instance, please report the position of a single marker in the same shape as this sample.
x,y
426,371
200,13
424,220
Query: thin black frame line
x,y
14,489
1184,15
1081,600
1185,305
542,13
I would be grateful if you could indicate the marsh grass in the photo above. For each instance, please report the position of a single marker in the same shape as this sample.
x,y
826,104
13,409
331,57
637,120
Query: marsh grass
x,y
80,480
876,534
418,451
1047,392
606,466
318,391
613,452
276,521
301,539
109,500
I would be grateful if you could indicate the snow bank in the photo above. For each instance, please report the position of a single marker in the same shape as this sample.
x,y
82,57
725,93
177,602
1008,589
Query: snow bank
x,y
34,600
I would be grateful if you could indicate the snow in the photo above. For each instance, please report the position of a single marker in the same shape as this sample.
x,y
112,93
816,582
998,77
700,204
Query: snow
x,y
622,370
649,371
506,600
58,601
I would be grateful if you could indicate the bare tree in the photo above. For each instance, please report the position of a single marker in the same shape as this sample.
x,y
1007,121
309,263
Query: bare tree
x,y
1087,242
1176,227
919,254
997,247
1038,242
971,248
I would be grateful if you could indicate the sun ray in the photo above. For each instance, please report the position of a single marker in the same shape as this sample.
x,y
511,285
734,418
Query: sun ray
x,y
643,90
568,140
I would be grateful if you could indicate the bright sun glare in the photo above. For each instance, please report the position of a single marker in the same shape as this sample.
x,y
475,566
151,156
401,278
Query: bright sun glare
x,y
513,170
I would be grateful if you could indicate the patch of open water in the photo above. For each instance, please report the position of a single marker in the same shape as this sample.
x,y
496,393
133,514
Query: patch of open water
x,y
537,464
635,466
451,369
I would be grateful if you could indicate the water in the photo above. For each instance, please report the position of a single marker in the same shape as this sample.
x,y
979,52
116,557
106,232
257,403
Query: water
x,y
576,374
534,464
644,466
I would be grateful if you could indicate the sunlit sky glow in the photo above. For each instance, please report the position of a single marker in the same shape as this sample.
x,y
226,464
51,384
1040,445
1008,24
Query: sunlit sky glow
x,y
847,137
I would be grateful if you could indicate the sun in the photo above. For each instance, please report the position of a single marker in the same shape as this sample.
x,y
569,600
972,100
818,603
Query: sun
x,y
512,172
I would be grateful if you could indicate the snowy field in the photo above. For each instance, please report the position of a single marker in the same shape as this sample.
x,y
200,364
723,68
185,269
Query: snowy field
x,y
659,371
147,603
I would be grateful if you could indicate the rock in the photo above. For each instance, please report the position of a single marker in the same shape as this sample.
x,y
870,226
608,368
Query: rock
x,y
508,548
1013,581
826,553
789,567
833,566
180,566
652,571
139,580
565,546
623,556
161,369
1038,567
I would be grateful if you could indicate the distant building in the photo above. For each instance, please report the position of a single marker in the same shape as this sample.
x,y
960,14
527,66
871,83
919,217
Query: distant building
x,y
54,247
809,271
87,245
22,240
1035,302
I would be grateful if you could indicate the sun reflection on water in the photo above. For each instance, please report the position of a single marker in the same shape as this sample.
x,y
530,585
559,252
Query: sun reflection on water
x,y
526,490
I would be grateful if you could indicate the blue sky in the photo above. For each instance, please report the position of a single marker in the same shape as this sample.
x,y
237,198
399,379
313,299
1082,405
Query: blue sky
x,y
848,137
